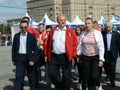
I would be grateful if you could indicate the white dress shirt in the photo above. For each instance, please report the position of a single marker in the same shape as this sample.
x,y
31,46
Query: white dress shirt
x,y
22,47
59,41
109,36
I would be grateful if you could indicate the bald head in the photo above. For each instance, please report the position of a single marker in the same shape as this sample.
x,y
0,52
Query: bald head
x,y
109,26
59,16
61,19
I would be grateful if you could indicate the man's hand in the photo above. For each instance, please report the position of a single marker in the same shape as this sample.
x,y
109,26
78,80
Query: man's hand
x,y
45,58
31,63
78,59
41,42
100,64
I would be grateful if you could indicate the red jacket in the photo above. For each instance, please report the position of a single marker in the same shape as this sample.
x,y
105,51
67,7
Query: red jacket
x,y
45,47
33,31
44,36
71,44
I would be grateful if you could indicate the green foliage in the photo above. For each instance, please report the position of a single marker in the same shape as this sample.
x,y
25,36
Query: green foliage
x,y
5,29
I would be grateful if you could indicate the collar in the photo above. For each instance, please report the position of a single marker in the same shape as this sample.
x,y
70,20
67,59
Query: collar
x,y
25,34
61,29
109,32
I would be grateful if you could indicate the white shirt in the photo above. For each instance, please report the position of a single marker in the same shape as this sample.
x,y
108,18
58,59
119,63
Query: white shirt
x,y
59,41
41,47
22,47
109,36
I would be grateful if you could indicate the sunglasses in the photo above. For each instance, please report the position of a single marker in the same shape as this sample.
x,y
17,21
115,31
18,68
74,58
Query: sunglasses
x,y
23,27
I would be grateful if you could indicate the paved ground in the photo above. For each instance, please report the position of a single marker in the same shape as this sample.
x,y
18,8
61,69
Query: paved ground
x,y
7,73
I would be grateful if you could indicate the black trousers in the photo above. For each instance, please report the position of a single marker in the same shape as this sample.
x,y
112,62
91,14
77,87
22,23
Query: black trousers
x,y
40,63
82,78
41,58
110,67
60,71
91,70
21,69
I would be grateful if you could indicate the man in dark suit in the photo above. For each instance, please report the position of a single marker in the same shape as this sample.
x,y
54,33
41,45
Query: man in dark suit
x,y
24,57
112,49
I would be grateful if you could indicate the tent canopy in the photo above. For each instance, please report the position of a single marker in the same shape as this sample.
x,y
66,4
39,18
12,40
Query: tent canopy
x,y
47,21
73,24
77,21
102,20
114,21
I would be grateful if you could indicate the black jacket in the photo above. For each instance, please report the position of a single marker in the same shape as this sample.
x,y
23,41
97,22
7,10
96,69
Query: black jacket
x,y
115,43
31,47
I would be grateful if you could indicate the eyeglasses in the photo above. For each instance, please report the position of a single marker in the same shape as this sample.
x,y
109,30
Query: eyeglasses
x,y
23,27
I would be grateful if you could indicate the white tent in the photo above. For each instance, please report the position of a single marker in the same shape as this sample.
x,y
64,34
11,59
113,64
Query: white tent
x,y
14,29
114,21
47,21
33,23
68,23
77,21
27,15
101,21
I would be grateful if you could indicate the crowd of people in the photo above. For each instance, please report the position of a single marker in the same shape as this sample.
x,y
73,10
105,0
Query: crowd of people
x,y
89,46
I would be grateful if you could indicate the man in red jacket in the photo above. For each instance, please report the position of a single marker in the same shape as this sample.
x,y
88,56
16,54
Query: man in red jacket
x,y
61,48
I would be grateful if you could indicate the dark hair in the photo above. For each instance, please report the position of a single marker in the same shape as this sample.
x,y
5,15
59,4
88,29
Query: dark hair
x,y
26,18
80,27
49,26
41,24
89,18
95,22
24,21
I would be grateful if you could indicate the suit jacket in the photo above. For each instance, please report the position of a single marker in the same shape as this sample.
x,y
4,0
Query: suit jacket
x,y
115,43
31,46
70,41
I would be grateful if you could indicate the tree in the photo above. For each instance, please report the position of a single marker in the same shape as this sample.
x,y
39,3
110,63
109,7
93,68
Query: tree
x,y
5,29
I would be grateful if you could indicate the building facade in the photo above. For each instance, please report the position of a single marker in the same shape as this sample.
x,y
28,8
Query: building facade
x,y
13,21
83,8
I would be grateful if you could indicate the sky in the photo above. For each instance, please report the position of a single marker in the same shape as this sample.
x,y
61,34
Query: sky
x,y
12,9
